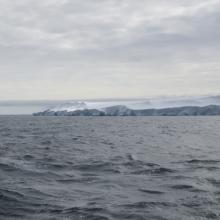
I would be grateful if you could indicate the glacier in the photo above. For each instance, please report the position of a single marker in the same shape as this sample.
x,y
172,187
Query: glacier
x,y
154,102
147,103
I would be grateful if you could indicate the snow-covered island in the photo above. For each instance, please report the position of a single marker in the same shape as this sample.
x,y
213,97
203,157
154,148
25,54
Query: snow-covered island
x,y
134,108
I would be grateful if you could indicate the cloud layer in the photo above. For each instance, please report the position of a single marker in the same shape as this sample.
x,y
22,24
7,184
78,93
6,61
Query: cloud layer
x,y
66,49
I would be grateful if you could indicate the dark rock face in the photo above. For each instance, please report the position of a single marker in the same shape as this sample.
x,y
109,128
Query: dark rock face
x,y
121,110
118,110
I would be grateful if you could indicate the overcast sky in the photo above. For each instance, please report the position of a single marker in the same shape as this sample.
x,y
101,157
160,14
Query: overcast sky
x,y
68,49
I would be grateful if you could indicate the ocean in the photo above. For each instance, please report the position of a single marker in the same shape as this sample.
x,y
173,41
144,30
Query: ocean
x,y
109,168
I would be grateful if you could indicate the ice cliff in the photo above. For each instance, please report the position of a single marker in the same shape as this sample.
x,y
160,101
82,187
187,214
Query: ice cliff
x,y
121,110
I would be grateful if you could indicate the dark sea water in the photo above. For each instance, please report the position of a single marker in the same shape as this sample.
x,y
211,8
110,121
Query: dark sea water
x,y
103,168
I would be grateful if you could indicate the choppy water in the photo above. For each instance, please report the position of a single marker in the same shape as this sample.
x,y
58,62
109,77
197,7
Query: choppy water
x,y
110,168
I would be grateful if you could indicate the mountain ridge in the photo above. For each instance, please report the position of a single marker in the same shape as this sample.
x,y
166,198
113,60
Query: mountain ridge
x,y
121,110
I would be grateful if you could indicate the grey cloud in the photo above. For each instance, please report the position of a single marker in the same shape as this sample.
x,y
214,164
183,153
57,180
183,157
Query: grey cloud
x,y
151,45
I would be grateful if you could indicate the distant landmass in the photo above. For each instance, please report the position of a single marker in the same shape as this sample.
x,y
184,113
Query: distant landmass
x,y
121,110
22,107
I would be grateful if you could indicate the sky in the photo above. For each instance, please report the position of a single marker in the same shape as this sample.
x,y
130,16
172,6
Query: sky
x,y
74,49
